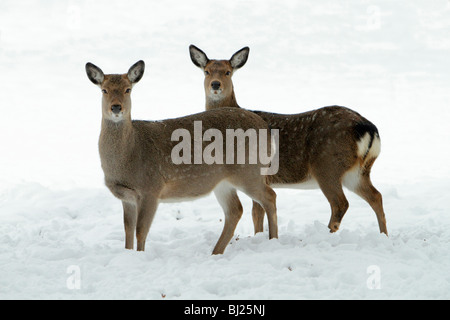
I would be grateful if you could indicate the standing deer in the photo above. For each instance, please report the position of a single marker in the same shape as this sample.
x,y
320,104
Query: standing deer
x,y
325,148
136,160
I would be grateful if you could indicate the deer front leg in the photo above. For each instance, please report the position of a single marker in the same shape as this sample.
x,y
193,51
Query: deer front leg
x,y
258,217
129,220
265,197
146,210
129,199
122,192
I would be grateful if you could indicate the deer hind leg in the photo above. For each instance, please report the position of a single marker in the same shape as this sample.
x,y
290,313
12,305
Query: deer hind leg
x,y
368,192
339,205
363,187
232,208
258,217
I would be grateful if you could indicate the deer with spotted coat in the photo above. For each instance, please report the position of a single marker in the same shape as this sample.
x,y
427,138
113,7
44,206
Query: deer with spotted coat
x,y
136,158
327,148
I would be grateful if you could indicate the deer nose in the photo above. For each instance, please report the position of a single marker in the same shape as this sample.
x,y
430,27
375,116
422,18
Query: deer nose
x,y
215,85
116,108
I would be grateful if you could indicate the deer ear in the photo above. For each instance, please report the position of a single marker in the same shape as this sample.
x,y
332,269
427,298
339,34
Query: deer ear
x,y
136,72
239,58
95,74
198,57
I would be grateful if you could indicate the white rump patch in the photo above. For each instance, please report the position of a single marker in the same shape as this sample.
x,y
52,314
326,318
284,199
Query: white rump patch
x,y
376,147
363,146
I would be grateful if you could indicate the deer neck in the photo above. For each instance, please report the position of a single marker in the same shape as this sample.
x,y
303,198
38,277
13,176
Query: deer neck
x,y
227,102
116,138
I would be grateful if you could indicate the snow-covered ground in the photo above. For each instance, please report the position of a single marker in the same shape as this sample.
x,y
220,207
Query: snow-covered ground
x,y
61,231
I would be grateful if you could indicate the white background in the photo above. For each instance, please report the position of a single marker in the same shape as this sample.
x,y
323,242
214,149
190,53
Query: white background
x,y
388,60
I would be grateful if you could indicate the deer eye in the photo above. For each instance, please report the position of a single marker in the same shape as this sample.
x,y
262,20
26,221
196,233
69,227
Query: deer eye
x,y
206,73
228,73
104,91
128,90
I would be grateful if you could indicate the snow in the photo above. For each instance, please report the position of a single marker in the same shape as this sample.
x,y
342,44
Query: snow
x,y
61,231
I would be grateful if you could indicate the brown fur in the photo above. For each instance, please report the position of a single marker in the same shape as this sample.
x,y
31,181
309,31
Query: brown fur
x,y
320,145
136,160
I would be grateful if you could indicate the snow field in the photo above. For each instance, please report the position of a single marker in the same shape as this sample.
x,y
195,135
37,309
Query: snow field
x,y
306,262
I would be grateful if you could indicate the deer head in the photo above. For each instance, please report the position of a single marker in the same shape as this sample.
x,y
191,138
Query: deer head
x,y
116,89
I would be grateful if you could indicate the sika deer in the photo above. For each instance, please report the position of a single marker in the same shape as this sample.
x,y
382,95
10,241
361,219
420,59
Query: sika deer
x,y
136,160
325,148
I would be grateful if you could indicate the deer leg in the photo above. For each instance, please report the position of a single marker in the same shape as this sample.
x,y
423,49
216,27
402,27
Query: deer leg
x,y
269,204
266,197
129,220
258,217
338,202
146,210
369,193
359,182
232,208
122,192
